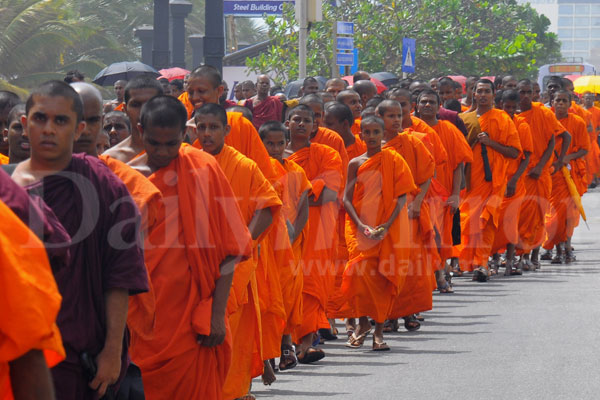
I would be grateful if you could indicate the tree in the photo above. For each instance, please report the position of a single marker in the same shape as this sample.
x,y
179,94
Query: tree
x,y
468,37
41,40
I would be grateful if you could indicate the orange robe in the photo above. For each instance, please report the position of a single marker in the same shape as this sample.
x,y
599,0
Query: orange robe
x,y
146,195
148,199
244,138
593,157
564,215
481,206
291,184
356,127
508,220
29,300
543,125
255,289
357,148
323,167
432,141
458,152
377,269
4,159
202,226
184,98
416,294
332,139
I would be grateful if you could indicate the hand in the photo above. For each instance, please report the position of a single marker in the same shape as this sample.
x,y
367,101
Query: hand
x,y
109,368
414,210
217,332
381,230
484,138
535,172
511,187
291,231
366,230
558,164
453,202
313,200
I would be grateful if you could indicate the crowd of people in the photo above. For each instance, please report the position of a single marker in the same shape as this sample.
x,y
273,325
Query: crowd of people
x,y
174,244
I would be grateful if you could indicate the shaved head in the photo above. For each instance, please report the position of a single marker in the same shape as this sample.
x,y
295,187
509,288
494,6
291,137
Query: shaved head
x,y
335,86
92,115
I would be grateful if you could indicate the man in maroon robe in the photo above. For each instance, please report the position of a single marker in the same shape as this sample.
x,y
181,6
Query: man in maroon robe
x,y
264,107
106,263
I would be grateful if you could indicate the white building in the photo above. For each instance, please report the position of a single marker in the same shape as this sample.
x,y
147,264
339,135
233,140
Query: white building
x,y
577,23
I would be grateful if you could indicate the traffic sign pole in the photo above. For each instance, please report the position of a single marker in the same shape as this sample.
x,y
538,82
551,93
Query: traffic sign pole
x,y
302,15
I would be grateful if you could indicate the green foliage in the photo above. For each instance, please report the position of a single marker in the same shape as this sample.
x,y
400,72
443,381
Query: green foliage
x,y
467,37
43,39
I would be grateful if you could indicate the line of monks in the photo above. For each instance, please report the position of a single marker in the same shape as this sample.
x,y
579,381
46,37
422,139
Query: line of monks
x,y
197,249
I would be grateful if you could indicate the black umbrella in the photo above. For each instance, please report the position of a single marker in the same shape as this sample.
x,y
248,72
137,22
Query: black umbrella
x,y
291,89
387,78
125,70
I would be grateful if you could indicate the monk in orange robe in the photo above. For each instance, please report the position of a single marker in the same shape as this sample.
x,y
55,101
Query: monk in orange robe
x,y
564,215
416,294
378,182
30,304
147,197
444,193
593,157
323,167
193,252
352,99
415,126
545,130
331,138
497,142
293,188
507,235
339,118
205,85
137,92
260,206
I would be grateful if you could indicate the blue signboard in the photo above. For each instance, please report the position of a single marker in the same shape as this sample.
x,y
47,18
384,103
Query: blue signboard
x,y
345,43
345,28
353,67
248,8
346,59
409,50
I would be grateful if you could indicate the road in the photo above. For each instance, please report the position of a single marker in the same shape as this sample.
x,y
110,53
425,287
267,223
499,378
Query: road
x,y
534,336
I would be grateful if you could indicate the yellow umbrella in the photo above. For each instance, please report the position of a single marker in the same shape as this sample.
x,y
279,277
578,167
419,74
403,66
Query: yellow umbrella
x,y
574,193
587,83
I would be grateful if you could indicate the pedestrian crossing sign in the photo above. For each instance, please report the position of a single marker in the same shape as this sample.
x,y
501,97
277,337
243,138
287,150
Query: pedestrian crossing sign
x,y
409,49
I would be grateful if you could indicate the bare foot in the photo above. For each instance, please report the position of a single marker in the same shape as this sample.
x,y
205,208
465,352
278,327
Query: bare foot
x,y
268,376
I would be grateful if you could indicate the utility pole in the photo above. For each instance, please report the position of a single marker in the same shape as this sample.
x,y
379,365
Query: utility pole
x,y
302,17
214,39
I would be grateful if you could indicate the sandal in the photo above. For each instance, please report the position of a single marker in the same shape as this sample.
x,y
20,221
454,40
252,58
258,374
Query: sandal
x,y
380,346
356,342
445,288
326,334
419,317
311,355
288,358
570,257
481,274
411,324
391,325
